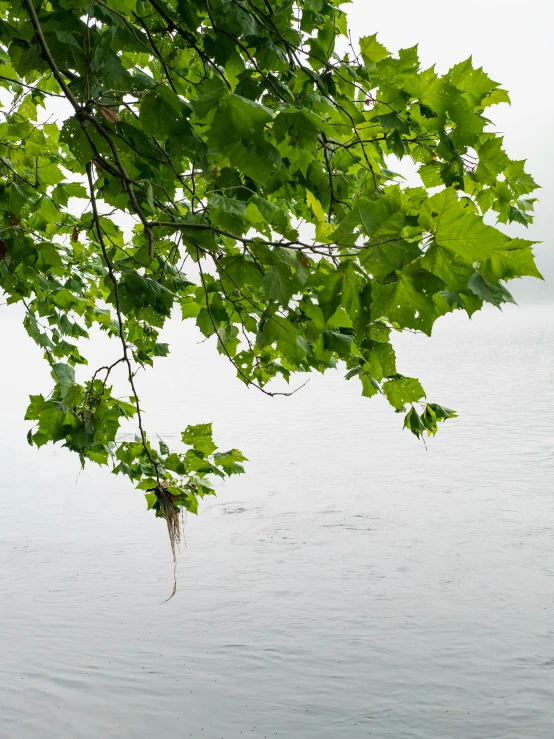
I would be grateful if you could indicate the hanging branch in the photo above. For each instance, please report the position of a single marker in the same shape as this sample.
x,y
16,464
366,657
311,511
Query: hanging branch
x,y
253,148
83,114
127,359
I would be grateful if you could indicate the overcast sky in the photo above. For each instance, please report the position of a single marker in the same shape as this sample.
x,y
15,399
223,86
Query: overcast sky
x,y
514,42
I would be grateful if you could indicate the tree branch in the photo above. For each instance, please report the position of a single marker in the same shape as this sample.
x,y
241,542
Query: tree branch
x,y
113,278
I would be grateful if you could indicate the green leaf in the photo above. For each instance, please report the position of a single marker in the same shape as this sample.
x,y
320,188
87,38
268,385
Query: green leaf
x,y
384,258
296,131
383,217
372,51
337,342
454,272
401,391
279,283
64,375
458,229
67,37
205,322
230,461
514,260
492,160
237,132
408,300
315,205
331,295
189,308
496,97
370,386
495,294
475,84
199,437
413,422
380,362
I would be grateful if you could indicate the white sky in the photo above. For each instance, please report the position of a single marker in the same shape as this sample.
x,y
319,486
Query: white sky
x,y
514,43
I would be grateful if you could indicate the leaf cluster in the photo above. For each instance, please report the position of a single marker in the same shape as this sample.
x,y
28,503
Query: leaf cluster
x,y
253,157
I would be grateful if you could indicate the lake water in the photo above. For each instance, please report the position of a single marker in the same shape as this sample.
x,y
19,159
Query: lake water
x,y
352,584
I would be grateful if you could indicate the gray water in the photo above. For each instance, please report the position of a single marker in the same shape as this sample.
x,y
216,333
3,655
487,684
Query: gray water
x,y
353,584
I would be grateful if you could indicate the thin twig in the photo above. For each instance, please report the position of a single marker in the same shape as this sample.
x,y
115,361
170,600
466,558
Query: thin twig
x,y
113,278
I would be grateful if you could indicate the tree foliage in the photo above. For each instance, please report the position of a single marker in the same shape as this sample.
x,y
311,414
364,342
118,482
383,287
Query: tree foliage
x,y
251,147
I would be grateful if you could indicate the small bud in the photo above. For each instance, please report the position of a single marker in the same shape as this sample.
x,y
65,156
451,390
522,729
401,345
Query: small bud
x,y
109,114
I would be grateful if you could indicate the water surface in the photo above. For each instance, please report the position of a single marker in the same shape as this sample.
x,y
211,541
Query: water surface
x,y
353,584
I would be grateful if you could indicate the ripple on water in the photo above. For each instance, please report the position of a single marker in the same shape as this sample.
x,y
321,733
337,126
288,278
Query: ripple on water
x,y
353,584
